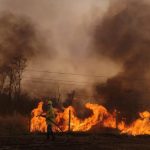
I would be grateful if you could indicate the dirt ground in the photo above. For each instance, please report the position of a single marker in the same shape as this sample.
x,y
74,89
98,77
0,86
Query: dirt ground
x,y
75,141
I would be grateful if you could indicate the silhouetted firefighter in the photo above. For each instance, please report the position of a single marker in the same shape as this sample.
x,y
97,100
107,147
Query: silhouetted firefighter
x,y
50,117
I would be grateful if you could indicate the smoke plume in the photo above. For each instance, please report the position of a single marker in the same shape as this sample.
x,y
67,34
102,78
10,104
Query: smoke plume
x,y
121,38
18,38
67,26
124,37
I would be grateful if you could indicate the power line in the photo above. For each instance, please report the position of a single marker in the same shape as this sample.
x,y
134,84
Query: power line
x,y
60,81
75,74
56,80
78,74
53,82
67,81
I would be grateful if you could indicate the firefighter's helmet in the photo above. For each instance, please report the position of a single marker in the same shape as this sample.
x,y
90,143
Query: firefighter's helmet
x,y
49,102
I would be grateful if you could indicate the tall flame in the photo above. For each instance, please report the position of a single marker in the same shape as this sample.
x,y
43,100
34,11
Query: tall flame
x,y
140,126
38,123
100,118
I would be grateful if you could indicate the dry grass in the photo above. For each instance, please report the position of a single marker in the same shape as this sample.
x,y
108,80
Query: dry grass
x,y
14,124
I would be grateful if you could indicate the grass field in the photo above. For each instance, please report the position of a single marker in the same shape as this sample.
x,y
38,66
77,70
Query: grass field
x,y
75,141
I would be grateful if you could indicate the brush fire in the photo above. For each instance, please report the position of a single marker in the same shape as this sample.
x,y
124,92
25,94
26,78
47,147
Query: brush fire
x,y
75,74
100,118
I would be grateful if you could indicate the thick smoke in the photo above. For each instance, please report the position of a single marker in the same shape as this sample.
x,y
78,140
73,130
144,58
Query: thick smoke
x,y
67,26
18,38
121,39
124,36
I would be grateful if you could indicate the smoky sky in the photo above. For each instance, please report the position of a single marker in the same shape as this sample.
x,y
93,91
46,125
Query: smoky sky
x,y
98,37
124,37
18,38
67,27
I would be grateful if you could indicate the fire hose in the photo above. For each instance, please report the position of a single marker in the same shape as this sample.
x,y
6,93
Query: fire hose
x,y
52,122
55,125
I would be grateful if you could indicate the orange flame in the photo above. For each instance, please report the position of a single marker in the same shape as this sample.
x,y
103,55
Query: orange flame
x,y
99,118
38,123
139,127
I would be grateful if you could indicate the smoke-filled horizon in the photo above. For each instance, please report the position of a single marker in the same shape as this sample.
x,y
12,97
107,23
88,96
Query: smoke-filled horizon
x,y
66,27
124,37
96,37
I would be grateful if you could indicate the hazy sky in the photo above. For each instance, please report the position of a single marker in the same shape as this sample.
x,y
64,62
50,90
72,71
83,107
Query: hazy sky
x,y
58,17
67,27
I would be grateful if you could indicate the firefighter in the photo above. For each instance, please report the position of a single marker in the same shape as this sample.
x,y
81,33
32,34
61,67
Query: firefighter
x,y
50,118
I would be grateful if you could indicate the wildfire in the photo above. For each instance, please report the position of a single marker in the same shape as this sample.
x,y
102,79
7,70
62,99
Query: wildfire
x,y
100,118
139,127
38,123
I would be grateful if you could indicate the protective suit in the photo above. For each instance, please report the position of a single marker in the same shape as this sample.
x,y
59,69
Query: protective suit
x,y
50,118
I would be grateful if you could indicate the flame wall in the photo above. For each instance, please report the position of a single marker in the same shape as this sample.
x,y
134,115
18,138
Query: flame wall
x,y
100,118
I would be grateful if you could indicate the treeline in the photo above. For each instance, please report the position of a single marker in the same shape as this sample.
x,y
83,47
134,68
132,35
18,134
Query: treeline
x,y
23,105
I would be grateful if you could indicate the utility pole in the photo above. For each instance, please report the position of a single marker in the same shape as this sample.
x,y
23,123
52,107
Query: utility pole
x,y
69,123
116,117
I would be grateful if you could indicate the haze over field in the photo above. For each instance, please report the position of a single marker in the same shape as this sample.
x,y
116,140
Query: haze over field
x,y
89,38
67,28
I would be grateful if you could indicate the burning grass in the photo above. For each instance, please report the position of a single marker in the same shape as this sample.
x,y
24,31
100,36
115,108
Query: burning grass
x,y
101,118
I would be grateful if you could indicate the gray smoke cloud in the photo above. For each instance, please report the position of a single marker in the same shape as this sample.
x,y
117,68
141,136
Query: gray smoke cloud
x,y
67,27
124,37
64,43
18,38
19,43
